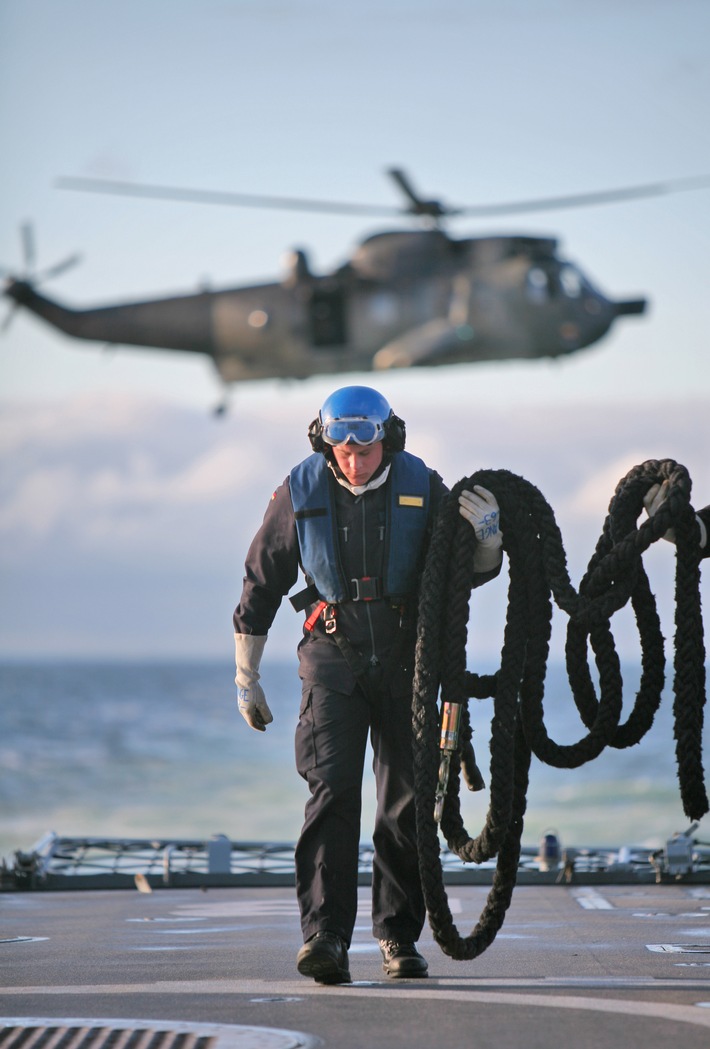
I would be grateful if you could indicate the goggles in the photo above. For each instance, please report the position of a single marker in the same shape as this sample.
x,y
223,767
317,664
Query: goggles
x,y
361,431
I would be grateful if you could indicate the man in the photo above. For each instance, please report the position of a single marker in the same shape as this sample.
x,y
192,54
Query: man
x,y
356,516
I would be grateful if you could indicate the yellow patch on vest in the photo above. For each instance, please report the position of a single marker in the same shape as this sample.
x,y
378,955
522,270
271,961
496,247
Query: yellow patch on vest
x,y
410,500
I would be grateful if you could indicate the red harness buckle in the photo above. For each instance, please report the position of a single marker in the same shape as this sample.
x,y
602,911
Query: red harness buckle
x,y
313,617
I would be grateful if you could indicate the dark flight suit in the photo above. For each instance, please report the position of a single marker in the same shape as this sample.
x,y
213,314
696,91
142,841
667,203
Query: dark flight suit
x,y
339,708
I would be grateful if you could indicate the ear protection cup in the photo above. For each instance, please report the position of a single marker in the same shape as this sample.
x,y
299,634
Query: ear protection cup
x,y
395,434
315,435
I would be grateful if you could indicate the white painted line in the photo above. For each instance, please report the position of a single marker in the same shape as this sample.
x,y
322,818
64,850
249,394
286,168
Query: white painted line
x,y
433,986
238,909
679,948
417,989
591,900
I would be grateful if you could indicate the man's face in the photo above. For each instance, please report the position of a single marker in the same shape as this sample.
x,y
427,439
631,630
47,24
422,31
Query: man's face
x,y
356,462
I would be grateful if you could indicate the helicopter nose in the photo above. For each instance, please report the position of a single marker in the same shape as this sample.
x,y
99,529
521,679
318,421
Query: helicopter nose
x,y
630,306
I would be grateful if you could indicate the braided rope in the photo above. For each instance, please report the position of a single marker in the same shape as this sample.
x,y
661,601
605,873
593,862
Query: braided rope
x,y
538,575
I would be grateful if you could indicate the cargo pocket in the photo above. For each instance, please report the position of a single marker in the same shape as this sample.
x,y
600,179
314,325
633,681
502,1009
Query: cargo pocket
x,y
305,735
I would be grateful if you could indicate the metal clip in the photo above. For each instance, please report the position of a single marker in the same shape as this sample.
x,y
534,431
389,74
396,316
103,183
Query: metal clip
x,y
329,619
448,742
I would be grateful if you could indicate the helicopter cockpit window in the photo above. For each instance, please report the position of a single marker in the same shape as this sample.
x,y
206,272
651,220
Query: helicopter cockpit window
x,y
538,285
383,309
571,281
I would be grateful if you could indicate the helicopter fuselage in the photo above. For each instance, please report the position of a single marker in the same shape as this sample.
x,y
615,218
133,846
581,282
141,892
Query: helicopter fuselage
x,y
405,299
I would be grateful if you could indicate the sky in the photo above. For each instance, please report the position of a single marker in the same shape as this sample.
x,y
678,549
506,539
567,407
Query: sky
x,y
127,508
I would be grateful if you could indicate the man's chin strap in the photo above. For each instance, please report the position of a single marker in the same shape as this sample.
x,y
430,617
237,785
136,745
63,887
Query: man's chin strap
x,y
358,489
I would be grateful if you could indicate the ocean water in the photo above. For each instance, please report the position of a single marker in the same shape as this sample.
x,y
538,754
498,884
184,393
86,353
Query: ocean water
x,y
159,750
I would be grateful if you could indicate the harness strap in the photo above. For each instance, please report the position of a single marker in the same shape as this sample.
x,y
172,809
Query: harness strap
x,y
304,598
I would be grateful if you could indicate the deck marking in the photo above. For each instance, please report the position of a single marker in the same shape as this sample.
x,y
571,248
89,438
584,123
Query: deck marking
x,y
679,948
23,939
201,930
238,909
182,947
416,989
181,919
433,985
591,900
225,1036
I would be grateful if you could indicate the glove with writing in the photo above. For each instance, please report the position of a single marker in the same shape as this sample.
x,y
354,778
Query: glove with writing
x,y
481,510
248,650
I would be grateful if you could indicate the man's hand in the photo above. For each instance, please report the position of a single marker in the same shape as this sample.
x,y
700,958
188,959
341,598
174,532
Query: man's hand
x,y
655,497
248,650
253,707
482,512
480,509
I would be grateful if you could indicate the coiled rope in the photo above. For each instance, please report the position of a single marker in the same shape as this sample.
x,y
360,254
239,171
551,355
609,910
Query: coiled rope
x,y
537,575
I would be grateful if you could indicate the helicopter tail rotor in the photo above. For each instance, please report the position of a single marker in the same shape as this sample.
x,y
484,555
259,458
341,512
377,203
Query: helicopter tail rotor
x,y
29,249
29,275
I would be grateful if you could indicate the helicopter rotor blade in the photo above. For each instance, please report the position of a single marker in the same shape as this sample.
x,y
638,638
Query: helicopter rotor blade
x,y
60,267
581,200
200,196
29,253
431,209
404,183
8,318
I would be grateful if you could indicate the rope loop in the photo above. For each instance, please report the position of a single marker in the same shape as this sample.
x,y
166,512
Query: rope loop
x,y
538,576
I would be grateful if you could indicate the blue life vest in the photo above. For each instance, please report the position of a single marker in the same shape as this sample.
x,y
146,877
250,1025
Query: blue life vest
x,y
316,525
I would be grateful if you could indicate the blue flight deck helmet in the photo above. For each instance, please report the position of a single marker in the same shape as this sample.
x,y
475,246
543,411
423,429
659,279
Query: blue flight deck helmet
x,y
356,415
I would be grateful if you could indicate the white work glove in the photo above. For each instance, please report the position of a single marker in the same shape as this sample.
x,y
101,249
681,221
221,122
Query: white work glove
x,y
248,650
655,497
481,510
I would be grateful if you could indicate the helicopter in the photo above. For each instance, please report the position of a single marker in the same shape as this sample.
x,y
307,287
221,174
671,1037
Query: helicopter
x,y
406,298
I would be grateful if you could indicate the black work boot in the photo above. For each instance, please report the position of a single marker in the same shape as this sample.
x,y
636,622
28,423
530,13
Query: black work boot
x,y
324,957
401,960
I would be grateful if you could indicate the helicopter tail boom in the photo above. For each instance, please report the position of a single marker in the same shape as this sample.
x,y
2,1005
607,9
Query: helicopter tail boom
x,y
167,324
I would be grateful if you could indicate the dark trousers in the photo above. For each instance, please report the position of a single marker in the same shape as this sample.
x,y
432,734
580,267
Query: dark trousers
x,y
331,740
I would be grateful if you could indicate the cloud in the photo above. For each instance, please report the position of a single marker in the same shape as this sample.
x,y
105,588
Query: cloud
x,y
585,500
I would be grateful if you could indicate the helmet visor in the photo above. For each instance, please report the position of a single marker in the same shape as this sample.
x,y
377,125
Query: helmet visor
x,y
361,431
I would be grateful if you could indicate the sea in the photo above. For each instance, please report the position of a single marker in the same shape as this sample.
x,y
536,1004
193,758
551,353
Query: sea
x,y
159,750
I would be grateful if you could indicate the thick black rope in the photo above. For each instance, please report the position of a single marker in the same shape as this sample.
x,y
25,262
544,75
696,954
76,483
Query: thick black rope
x,y
538,575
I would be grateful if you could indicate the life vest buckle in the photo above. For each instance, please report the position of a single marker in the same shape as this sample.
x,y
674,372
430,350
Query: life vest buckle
x,y
367,588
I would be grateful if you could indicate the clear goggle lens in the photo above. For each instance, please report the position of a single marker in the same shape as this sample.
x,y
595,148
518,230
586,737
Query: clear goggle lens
x,y
361,431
